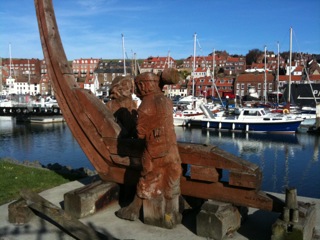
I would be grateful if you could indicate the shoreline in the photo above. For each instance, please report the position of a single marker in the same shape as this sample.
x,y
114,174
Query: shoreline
x,y
56,167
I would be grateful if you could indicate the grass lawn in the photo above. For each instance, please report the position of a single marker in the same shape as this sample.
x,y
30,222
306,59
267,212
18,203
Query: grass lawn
x,y
14,177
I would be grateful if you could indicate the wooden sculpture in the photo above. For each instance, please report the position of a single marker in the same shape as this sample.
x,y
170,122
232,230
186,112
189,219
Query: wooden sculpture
x,y
119,157
158,188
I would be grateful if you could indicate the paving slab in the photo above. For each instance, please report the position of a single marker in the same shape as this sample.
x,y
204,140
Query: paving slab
x,y
258,224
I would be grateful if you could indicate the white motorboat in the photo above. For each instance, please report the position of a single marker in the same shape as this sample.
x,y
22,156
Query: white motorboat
x,y
250,120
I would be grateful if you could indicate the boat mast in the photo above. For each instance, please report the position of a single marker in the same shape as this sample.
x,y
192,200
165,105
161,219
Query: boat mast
x,y
278,66
214,86
135,64
29,73
169,60
290,61
194,62
213,63
10,63
1,87
308,78
169,66
124,58
265,75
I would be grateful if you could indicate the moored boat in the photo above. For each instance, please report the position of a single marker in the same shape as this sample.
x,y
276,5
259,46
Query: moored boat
x,y
251,120
179,119
183,118
52,119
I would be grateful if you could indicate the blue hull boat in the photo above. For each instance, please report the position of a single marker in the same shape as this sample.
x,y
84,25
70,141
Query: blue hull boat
x,y
250,120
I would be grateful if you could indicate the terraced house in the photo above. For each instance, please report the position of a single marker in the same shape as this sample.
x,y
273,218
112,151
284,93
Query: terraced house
x,y
217,74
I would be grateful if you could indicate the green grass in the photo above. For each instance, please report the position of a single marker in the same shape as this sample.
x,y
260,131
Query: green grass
x,y
15,177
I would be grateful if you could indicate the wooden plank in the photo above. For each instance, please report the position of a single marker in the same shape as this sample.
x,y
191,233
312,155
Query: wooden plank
x,y
212,156
91,198
202,173
67,93
72,225
226,193
243,179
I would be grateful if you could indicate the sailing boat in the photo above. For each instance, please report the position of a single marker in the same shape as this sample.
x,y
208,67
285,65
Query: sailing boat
x,y
183,117
197,109
304,95
10,80
301,94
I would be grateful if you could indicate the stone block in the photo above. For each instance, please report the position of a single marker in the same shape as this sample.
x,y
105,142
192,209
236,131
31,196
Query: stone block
x,y
217,220
19,212
91,198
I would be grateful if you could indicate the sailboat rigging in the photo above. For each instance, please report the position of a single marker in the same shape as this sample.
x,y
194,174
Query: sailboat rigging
x,y
290,62
214,86
10,80
278,66
124,58
265,75
194,63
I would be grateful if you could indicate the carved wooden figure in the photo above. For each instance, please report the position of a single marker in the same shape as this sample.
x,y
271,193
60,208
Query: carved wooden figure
x,y
122,105
116,154
158,188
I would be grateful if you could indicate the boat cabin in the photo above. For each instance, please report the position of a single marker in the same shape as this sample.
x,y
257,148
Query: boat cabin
x,y
250,112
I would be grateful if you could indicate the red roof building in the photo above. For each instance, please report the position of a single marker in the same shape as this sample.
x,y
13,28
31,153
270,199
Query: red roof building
x,y
228,65
84,67
247,81
157,64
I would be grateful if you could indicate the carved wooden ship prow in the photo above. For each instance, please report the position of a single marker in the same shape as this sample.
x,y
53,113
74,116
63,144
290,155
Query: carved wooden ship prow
x,y
117,159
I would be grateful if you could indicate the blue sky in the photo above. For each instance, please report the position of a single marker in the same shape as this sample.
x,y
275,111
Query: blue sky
x,y
93,28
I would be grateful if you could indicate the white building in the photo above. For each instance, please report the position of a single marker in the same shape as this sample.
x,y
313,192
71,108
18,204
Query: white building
x,y
92,84
21,87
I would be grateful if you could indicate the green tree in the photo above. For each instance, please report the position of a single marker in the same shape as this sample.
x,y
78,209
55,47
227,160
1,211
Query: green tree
x,y
253,55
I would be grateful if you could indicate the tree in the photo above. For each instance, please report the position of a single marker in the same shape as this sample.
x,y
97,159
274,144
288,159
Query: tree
x,y
252,56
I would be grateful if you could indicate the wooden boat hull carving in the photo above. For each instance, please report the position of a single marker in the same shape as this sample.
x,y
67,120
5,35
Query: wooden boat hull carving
x,y
118,159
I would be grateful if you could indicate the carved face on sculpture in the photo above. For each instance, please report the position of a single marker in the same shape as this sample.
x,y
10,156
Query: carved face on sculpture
x,y
126,87
146,83
121,87
114,91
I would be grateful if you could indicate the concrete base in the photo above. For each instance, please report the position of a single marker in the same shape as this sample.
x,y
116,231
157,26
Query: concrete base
x,y
217,220
91,198
257,226
294,225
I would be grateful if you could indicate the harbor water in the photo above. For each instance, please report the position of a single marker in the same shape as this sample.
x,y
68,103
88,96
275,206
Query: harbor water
x,y
285,160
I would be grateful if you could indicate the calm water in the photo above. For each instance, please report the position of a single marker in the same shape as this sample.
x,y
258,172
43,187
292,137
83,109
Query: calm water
x,y
46,143
285,160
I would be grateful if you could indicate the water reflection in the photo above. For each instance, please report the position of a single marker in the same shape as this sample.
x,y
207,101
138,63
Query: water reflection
x,y
47,143
285,160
